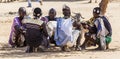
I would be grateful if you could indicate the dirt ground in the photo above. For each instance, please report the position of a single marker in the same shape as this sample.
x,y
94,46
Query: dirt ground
x,y
85,8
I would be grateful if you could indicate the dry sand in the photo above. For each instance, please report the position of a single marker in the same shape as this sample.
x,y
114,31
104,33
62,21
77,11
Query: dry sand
x,y
113,12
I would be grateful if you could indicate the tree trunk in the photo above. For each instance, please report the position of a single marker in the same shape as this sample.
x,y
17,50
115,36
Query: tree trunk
x,y
103,5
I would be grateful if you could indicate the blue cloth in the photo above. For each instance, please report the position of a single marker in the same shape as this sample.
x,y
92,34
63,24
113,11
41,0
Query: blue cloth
x,y
61,37
107,25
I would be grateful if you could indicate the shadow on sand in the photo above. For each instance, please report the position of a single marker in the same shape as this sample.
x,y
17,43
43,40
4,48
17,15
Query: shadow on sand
x,y
20,53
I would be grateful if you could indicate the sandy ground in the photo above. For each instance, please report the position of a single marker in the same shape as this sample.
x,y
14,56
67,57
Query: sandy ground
x,y
83,7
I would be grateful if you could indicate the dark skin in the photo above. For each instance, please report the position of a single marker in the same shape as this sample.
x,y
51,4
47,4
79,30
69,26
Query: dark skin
x,y
107,45
19,30
77,26
67,14
44,31
21,15
85,25
52,15
96,15
88,35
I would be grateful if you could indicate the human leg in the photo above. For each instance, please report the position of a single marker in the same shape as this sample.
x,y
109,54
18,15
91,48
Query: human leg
x,y
29,3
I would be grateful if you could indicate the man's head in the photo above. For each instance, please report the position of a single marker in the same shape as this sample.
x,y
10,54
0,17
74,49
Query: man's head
x,y
66,11
52,13
22,12
37,12
96,12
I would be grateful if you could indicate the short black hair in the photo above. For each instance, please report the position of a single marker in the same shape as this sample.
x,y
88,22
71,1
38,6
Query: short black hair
x,y
52,9
37,12
22,9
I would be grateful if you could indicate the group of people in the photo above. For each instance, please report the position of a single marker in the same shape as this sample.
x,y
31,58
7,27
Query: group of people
x,y
64,32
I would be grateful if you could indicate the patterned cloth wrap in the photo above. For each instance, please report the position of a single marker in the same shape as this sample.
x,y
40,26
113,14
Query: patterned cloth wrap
x,y
35,35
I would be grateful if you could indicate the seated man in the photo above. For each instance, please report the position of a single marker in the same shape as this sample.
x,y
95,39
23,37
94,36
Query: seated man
x,y
36,33
102,30
65,36
51,24
51,16
17,29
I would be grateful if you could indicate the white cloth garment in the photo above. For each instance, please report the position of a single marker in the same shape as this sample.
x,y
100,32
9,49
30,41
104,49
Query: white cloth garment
x,y
51,26
64,35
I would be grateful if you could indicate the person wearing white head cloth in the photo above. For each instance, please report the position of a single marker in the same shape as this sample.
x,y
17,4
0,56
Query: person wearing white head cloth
x,y
65,36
